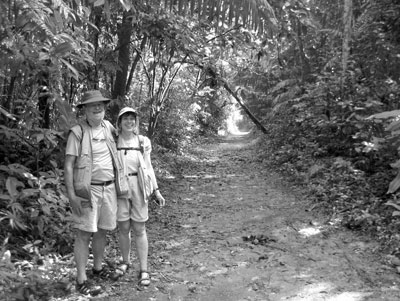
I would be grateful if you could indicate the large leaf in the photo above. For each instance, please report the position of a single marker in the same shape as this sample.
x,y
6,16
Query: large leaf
x,y
12,185
63,49
6,113
387,114
395,164
393,205
98,3
67,117
394,126
127,5
75,73
395,184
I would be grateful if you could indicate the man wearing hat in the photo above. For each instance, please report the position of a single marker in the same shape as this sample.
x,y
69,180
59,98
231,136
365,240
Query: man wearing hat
x,y
89,174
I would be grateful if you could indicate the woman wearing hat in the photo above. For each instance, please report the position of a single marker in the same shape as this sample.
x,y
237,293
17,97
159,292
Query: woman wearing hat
x,y
133,207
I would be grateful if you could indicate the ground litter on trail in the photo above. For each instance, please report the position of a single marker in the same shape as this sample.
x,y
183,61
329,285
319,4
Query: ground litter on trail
x,y
233,230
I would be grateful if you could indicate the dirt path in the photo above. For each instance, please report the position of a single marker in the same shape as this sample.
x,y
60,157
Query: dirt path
x,y
233,231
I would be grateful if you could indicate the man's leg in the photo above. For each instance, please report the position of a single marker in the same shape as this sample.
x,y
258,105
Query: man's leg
x,y
99,243
81,253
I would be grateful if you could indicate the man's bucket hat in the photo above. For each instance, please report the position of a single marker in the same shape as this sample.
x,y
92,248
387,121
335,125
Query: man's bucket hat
x,y
92,96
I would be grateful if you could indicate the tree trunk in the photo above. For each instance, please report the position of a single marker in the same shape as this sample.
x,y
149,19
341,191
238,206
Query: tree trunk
x,y
157,98
95,34
347,20
124,37
305,66
134,64
44,107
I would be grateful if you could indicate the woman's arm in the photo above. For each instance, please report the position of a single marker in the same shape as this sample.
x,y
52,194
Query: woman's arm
x,y
149,166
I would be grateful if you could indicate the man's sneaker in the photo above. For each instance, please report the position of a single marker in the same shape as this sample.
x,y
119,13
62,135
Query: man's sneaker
x,y
88,288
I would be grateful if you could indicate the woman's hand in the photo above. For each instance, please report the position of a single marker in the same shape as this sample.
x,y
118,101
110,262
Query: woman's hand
x,y
160,198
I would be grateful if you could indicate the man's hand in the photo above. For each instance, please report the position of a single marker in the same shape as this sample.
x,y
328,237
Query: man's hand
x,y
78,204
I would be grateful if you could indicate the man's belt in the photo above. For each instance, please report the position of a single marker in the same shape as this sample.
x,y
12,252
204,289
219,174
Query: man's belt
x,y
106,183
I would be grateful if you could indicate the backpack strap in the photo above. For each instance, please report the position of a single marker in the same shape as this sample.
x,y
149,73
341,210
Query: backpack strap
x,y
140,148
129,148
78,131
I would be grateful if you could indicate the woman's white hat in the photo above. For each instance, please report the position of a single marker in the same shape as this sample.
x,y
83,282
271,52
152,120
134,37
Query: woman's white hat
x,y
126,110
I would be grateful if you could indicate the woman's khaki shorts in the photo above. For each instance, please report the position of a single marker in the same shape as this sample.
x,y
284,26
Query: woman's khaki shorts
x,y
134,207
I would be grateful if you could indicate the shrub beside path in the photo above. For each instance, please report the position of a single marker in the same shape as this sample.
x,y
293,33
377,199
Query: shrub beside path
x,y
233,230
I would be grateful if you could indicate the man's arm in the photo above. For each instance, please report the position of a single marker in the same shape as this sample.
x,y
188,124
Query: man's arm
x,y
74,200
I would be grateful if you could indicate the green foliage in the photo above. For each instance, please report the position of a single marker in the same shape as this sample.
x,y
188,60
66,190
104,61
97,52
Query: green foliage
x,y
337,134
183,122
33,209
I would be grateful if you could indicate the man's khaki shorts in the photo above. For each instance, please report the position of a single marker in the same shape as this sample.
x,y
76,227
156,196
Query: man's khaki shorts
x,y
103,213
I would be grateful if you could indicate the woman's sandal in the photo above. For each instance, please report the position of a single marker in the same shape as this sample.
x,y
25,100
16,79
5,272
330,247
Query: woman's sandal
x,y
144,278
87,288
120,270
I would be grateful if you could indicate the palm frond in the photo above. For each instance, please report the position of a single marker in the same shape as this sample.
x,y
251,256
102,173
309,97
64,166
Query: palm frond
x,y
257,15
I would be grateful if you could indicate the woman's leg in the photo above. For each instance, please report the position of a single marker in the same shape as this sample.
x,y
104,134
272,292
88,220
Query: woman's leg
x,y
124,231
142,246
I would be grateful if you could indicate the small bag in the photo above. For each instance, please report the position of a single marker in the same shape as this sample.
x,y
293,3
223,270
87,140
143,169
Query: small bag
x,y
121,178
121,183
144,178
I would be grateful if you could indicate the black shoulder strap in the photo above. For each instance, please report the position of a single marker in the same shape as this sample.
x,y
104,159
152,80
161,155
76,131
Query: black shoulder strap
x,y
140,148
80,125
129,148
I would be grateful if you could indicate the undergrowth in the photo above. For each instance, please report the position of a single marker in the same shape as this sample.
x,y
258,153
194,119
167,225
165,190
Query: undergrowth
x,y
343,184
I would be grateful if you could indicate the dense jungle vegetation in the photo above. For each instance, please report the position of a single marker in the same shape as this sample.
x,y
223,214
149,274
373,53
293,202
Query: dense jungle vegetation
x,y
318,80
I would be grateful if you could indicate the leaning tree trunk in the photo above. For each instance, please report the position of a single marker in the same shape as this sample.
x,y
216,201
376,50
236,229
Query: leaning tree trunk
x,y
244,107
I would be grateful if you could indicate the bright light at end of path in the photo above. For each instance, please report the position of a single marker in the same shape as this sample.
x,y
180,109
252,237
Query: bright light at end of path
x,y
231,123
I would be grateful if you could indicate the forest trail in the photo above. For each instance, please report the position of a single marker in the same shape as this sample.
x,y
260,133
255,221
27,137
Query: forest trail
x,y
233,230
